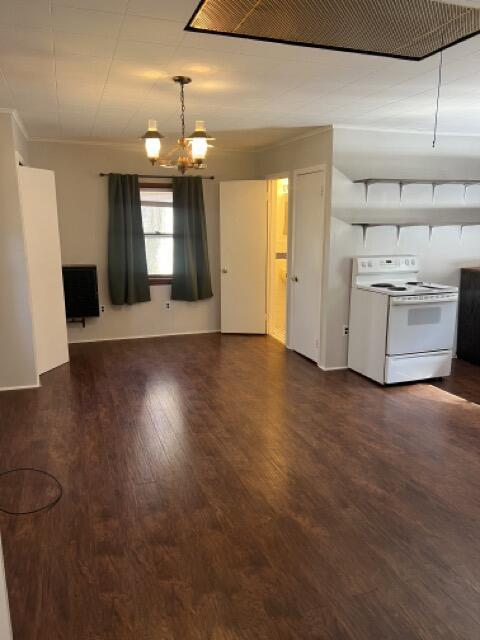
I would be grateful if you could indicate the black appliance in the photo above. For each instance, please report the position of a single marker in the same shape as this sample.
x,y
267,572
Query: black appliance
x,y
81,292
468,340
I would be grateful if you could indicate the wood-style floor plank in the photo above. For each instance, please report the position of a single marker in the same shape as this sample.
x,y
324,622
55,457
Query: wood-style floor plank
x,y
222,488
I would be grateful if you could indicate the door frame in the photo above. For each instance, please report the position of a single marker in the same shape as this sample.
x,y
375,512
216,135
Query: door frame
x,y
291,251
270,178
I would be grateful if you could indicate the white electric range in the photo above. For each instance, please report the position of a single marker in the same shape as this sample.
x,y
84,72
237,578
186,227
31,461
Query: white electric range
x,y
401,329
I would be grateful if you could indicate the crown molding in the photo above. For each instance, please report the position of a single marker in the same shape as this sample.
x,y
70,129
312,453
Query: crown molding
x,y
301,136
131,145
418,132
125,144
134,144
16,116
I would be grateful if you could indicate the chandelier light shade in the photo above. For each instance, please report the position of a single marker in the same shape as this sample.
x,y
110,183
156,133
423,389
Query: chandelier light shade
x,y
198,141
189,153
153,141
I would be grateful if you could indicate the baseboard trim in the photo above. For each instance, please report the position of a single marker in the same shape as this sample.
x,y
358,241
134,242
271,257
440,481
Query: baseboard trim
x,y
332,368
21,388
141,337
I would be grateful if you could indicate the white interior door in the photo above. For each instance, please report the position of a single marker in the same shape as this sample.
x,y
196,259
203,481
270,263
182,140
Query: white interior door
x,y
5,624
243,256
306,272
42,242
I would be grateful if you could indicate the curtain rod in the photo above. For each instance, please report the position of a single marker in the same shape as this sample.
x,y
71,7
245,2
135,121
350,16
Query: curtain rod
x,y
159,177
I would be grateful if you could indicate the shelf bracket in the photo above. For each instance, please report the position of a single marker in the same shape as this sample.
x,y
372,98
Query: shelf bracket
x,y
364,233
399,230
366,185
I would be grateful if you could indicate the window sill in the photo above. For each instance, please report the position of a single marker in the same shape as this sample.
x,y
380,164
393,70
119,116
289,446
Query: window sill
x,y
159,280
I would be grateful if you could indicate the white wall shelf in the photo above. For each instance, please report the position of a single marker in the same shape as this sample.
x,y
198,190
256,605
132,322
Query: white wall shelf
x,y
402,182
416,216
402,225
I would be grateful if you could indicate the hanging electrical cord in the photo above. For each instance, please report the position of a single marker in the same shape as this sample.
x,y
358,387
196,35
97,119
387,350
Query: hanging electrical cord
x,y
45,507
435,126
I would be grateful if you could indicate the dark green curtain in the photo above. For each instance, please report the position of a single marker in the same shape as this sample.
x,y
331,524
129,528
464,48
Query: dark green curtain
x,y
191,269
127,261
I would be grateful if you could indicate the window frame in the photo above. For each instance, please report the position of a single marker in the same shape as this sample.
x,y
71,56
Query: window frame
x,y
157,279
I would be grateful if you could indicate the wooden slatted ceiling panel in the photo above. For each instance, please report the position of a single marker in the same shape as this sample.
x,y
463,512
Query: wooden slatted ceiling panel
x,y
400,28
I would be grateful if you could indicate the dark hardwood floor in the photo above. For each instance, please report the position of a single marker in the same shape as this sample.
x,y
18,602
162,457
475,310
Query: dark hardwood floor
x,y
222,488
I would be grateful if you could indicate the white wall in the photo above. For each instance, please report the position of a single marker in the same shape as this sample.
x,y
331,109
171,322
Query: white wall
x,y
364,154
83,219
305,151
386,154
283,159
17,351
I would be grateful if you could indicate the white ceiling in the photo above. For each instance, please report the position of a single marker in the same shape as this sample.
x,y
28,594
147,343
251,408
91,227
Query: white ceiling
x,y
81,69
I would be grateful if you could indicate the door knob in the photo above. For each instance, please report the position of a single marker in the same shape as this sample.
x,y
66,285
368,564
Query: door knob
x,y
224,270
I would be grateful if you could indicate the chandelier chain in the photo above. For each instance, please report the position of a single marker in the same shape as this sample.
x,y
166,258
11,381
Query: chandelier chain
x,y
182,116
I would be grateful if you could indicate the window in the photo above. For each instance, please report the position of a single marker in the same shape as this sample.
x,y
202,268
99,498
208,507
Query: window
x,y
157,217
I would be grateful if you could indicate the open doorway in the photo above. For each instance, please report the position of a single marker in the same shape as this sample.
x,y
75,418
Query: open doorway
x,y
277,259
261,232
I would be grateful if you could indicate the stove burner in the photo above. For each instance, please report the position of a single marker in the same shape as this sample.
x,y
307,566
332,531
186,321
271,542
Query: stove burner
x,y
425,285
383,285
397,288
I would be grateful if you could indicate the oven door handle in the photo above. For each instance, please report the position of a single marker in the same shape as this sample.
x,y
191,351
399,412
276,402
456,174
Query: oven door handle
x,y
413,303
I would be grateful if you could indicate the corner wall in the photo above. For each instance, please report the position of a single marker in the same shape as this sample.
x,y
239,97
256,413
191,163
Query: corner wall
x,y
17,346
83,220
22,145
374,154
307,151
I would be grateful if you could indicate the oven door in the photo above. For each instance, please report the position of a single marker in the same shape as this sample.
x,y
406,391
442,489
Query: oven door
x,y
418,327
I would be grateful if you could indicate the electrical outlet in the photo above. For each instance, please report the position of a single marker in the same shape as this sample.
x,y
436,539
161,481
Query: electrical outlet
x,y
102,309
168,305
345,329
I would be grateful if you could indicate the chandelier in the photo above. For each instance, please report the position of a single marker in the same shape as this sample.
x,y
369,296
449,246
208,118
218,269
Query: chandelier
x,y
188,153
